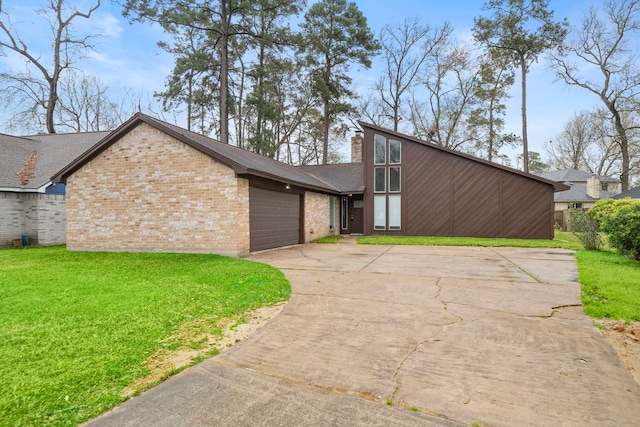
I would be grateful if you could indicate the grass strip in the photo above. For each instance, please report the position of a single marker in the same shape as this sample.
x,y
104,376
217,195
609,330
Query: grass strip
x,y
562,240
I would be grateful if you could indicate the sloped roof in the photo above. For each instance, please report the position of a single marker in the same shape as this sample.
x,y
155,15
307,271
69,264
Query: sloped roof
x,y
578,194
55,151
634,193
574,175
557,186
243,162
346,177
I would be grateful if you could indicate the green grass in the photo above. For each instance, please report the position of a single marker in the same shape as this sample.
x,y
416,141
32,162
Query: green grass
x,y
562,240
329,239
77,326
610,285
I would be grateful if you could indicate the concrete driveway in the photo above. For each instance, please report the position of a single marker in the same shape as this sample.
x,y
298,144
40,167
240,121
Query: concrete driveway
x,y
448,336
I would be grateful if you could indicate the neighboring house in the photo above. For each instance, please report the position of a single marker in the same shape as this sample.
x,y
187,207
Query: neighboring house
x,y
30,205
585,188
152,186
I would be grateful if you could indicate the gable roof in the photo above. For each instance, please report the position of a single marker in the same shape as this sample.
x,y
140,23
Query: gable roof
x,y
557,186
243,162
55,151
574,175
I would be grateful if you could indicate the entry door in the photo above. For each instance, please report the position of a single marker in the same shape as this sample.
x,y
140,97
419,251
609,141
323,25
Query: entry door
x,y
356,208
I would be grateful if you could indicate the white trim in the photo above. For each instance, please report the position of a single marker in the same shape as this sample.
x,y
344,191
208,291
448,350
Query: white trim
x,y
26,190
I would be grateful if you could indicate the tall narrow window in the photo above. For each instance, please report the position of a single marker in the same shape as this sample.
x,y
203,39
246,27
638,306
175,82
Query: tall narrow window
x,y
394,212
332,212
380,180
394,179
379,212
394,152
344,213
380,150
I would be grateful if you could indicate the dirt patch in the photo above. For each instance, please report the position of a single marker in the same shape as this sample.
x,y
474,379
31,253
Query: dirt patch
x,y
196,341
625,339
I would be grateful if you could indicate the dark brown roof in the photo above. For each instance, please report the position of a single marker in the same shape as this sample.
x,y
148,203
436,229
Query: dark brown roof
x,y
346,177
243,162
557,186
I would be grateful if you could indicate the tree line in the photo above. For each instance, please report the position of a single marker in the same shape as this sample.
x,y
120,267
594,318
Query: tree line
x,y
275,77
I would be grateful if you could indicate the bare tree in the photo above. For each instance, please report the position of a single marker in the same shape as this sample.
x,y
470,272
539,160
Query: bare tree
x,y
405,48
450,81
86,105
604,43
36,88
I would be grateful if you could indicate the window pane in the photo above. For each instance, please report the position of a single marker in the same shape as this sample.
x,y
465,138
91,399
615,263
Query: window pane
x,y
394,151
394,212
379,212
332,212
380,178
380,148
394,179
344,214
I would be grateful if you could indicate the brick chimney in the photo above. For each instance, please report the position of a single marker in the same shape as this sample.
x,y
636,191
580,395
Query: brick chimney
x,y
356,147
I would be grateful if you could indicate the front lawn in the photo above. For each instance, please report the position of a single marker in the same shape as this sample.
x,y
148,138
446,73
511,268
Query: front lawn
x,y
78,326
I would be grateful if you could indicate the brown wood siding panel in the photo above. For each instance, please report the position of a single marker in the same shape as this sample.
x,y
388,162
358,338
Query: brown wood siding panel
x,y
274,219
444,194
528,209
427,192
476,199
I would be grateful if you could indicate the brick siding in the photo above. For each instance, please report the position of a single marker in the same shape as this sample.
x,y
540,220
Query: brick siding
x,y
151,192
39,216
316,216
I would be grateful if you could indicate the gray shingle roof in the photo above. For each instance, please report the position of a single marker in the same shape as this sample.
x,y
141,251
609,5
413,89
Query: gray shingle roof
x,y
573,175
346,177
634,193
55,151
578,194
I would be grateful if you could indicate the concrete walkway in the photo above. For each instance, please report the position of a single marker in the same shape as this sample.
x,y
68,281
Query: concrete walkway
x,y
494,336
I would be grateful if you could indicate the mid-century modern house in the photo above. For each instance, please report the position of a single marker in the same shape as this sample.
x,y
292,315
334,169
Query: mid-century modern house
x,y
153,186
30,205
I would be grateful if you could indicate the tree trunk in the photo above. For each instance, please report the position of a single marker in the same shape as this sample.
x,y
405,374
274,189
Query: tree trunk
x,y
525,140
624,145
325,133
224,74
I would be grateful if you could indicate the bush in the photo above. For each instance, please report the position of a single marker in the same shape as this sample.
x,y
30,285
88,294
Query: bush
x,y
620,220
604,209
585,229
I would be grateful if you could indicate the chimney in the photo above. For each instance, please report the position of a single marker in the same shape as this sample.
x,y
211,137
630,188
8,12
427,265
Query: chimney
x,y
356,147
593,187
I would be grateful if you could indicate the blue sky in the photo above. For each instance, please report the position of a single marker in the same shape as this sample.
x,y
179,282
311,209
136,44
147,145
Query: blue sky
x,y
127,55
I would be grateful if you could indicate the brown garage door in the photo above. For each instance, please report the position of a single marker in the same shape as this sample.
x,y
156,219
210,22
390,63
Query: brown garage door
x,y
274,219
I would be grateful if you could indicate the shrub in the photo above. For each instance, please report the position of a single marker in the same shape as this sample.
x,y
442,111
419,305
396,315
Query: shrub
x,y
585,229
607,208
620,220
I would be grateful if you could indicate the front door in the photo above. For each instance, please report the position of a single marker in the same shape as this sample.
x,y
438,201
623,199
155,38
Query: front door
x,y
356,212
